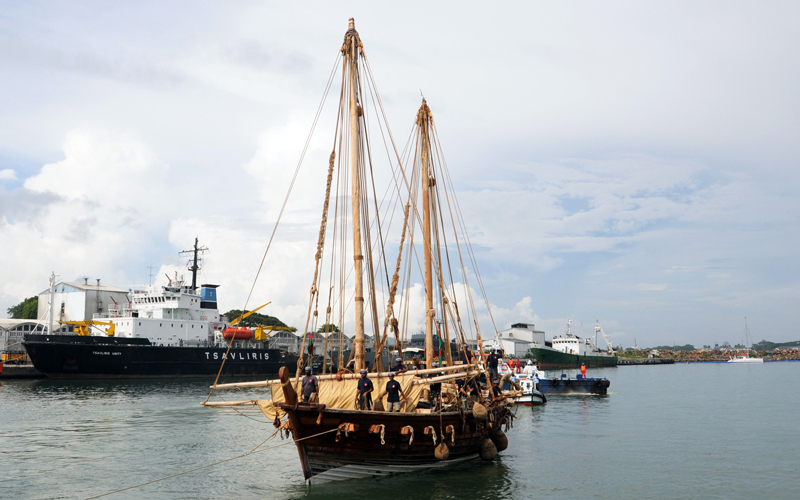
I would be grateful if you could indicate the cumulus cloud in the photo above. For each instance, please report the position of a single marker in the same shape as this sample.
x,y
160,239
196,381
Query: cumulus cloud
x,y
7,174
99,207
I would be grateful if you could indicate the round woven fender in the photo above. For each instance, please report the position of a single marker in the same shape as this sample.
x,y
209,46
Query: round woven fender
x,y
499,439
479,412
442,452
488,451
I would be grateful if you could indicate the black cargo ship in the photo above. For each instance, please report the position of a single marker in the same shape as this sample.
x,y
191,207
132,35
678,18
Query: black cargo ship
x,y
75,356
169,331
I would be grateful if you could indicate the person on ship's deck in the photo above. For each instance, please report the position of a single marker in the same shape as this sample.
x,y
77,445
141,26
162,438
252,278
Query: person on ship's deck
x,y
310,386
399,367
365,389
393,394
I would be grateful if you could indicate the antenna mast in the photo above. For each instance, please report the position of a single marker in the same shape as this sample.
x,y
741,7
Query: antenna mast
x,y
193,267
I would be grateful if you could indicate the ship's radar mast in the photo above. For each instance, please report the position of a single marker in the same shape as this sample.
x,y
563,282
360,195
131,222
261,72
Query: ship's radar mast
x,y
194,263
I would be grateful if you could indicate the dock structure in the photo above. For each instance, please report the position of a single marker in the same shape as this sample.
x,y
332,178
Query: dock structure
x,y
645,361
20,371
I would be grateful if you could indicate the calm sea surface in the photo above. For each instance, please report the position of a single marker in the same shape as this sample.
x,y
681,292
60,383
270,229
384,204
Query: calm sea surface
x,y
675,431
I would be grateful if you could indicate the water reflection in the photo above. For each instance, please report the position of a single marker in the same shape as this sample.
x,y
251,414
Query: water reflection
x,y
473,479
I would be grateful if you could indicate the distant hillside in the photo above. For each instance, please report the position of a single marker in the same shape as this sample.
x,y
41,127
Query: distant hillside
x,y
255,319
766,345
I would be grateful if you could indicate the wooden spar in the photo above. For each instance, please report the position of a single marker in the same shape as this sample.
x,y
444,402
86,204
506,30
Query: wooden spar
x,y
267,383
426,229
358,258
451,376
229,403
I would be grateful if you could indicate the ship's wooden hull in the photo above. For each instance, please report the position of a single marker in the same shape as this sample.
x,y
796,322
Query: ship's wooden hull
x,y
329,454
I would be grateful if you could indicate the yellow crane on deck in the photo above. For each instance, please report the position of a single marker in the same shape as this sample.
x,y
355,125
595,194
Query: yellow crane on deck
x,y
85,325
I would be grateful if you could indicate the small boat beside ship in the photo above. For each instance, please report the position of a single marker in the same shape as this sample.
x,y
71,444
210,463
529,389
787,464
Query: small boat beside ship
x,y
536,386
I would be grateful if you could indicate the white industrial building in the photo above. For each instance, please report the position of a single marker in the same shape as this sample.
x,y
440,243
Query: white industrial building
x,y
12,332
518,340
80,301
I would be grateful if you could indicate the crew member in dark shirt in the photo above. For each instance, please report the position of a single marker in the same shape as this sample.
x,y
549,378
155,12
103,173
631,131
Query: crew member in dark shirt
x,y
496,394
393,393
309,384
399,367
491,363
364,391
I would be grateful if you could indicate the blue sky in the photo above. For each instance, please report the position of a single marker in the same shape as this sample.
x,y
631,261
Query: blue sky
x,y
629,162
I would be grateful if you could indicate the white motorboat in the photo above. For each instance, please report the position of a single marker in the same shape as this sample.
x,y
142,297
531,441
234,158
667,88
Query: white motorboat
x,y
745,358
530,396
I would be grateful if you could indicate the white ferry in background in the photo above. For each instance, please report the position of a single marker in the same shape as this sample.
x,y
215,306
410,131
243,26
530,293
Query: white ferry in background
x,y
170,331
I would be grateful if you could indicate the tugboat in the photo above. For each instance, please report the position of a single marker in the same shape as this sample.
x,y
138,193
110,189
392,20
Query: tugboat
x,y
171,331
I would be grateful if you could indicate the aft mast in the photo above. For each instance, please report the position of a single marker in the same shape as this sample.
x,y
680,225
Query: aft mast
x,y
351,47
423,121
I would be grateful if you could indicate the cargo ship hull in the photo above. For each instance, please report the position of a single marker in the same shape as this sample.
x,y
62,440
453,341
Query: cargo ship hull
x,y
551,359
74,356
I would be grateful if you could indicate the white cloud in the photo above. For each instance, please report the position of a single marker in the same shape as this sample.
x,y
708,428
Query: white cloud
x,y
103,207
7,174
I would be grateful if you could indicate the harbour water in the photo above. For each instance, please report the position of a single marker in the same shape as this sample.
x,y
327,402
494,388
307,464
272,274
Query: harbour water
x,y
711,430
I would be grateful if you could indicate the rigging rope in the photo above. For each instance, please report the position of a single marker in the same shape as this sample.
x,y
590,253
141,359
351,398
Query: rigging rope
x,y
251,452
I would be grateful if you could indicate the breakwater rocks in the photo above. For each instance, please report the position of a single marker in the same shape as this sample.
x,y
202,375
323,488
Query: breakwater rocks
x,y
668,356
645,361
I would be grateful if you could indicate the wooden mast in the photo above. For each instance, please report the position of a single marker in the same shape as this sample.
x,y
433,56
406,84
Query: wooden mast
x,y
352,44
425,176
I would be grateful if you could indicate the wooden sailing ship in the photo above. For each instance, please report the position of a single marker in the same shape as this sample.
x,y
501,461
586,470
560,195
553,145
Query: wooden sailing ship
x,y
334,438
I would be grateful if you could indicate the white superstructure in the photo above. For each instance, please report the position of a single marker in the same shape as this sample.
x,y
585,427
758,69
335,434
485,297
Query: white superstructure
x,y
572,344
173,315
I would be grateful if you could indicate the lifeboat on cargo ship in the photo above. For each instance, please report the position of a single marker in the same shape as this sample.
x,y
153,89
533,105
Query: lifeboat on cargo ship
x,y
241,333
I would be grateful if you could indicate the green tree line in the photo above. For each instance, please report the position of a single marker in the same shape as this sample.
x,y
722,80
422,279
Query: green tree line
x,y
255,319
27,309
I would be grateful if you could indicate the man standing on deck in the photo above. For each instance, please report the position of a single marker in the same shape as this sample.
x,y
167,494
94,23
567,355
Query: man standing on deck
x,y
491,362
399,367
310,386
393,393
364,391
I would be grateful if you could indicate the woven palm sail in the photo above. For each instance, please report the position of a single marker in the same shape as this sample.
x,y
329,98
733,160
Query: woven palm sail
x,y
342,394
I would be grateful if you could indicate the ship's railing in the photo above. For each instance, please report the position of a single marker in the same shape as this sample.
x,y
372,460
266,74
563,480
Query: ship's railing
x,y
114,312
